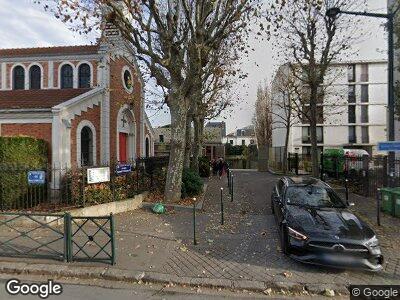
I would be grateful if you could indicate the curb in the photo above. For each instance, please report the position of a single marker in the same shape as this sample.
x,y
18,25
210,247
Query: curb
x,y
161,278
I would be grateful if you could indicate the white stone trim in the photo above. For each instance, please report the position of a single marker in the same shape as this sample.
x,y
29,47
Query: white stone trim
x,y
50,76
41,74
3,76
91,71
79,128
74,77
12,76
126,68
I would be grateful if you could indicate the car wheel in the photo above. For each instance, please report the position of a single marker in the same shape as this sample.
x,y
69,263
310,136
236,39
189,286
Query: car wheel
x,y
284,241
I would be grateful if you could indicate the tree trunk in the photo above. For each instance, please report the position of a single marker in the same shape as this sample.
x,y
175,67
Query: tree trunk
x,y
178,110
285,152
313,131
198,124
188,146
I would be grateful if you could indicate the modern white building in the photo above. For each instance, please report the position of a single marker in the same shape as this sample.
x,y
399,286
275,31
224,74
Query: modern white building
x,y
353,111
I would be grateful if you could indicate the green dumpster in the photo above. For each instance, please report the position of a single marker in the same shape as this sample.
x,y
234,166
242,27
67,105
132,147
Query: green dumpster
x,y
396,203
387,200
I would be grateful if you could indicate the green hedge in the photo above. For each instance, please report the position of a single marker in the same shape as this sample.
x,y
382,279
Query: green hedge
x,y
192,184
204,167
18,155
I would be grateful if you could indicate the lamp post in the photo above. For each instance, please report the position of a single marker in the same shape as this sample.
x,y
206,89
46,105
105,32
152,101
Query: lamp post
x,y
333,13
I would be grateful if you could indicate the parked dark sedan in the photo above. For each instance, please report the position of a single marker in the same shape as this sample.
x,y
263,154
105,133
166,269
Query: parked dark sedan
x,y
316,226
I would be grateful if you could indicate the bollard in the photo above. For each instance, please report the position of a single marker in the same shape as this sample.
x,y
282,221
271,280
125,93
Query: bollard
x,y
346,186
228,174
378,207
232,188
222,207
194,222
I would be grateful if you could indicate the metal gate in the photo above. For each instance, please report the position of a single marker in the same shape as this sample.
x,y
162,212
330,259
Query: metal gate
x,y
92,239
57,236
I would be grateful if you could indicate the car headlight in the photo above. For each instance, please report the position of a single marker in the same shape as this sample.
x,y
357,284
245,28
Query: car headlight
x,y
373,242
296,235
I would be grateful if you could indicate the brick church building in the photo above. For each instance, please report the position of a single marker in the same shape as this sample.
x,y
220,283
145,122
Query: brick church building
x,y
86,102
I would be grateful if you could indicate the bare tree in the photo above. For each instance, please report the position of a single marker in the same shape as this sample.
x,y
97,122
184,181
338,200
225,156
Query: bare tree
x,y
171,39
313,41
263,124
284,95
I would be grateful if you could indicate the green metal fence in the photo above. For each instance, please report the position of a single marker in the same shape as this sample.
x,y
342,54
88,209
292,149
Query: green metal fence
x,y
58,236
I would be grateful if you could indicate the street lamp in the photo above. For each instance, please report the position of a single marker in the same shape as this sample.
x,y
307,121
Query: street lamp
x,y
333,13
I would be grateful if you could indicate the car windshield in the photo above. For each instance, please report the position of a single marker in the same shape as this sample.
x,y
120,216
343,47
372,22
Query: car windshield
x,y
313,196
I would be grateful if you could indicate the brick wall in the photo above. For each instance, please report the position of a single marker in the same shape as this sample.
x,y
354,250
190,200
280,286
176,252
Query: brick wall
x,y
54,73
118,97
39,131
92,115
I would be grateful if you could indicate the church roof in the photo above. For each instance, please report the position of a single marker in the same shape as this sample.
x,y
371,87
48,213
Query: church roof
x,y
45,51
34,99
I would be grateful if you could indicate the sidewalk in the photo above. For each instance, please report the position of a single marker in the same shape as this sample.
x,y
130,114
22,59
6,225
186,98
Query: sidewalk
x,y
241,254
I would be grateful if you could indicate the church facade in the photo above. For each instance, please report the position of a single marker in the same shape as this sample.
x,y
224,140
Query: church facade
x,y
86,102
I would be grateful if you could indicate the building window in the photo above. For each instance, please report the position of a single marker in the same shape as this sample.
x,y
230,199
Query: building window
x,y
84,76
352,134
364,135
86,146
231,142
352,114
351,73
243,142
364,114
127,79
67,77
161,138
364,73
364,93
306,135
35,75
19,78
147,147
352,94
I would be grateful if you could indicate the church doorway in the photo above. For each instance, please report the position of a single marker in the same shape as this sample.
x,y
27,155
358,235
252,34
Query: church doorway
x,y
126,146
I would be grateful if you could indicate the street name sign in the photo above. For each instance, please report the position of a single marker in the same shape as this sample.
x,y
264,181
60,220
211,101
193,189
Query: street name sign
x,y
389,146
123,169
36,177
98,175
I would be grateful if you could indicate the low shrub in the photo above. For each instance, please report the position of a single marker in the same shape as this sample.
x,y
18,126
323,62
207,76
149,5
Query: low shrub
x,y
192,184
204,167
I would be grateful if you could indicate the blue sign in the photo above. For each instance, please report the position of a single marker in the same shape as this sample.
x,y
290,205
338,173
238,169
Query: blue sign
x,y
389,146
124,169
36,177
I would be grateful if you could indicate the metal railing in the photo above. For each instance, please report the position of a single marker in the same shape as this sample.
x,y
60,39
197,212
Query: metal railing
x,y
58,236
68,186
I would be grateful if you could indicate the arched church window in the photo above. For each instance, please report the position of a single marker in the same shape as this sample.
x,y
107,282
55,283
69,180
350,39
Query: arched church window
x,y
84,76
86,146
18,78
147,147
35,75
67,77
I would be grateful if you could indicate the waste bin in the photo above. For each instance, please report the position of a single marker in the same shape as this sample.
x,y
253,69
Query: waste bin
x,y
396,202
387,200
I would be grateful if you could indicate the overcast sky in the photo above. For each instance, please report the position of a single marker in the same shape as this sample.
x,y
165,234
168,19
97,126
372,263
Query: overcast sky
x,y
25,24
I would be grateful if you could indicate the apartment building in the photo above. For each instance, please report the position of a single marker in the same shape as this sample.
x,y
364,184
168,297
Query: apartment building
x,y
352,112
